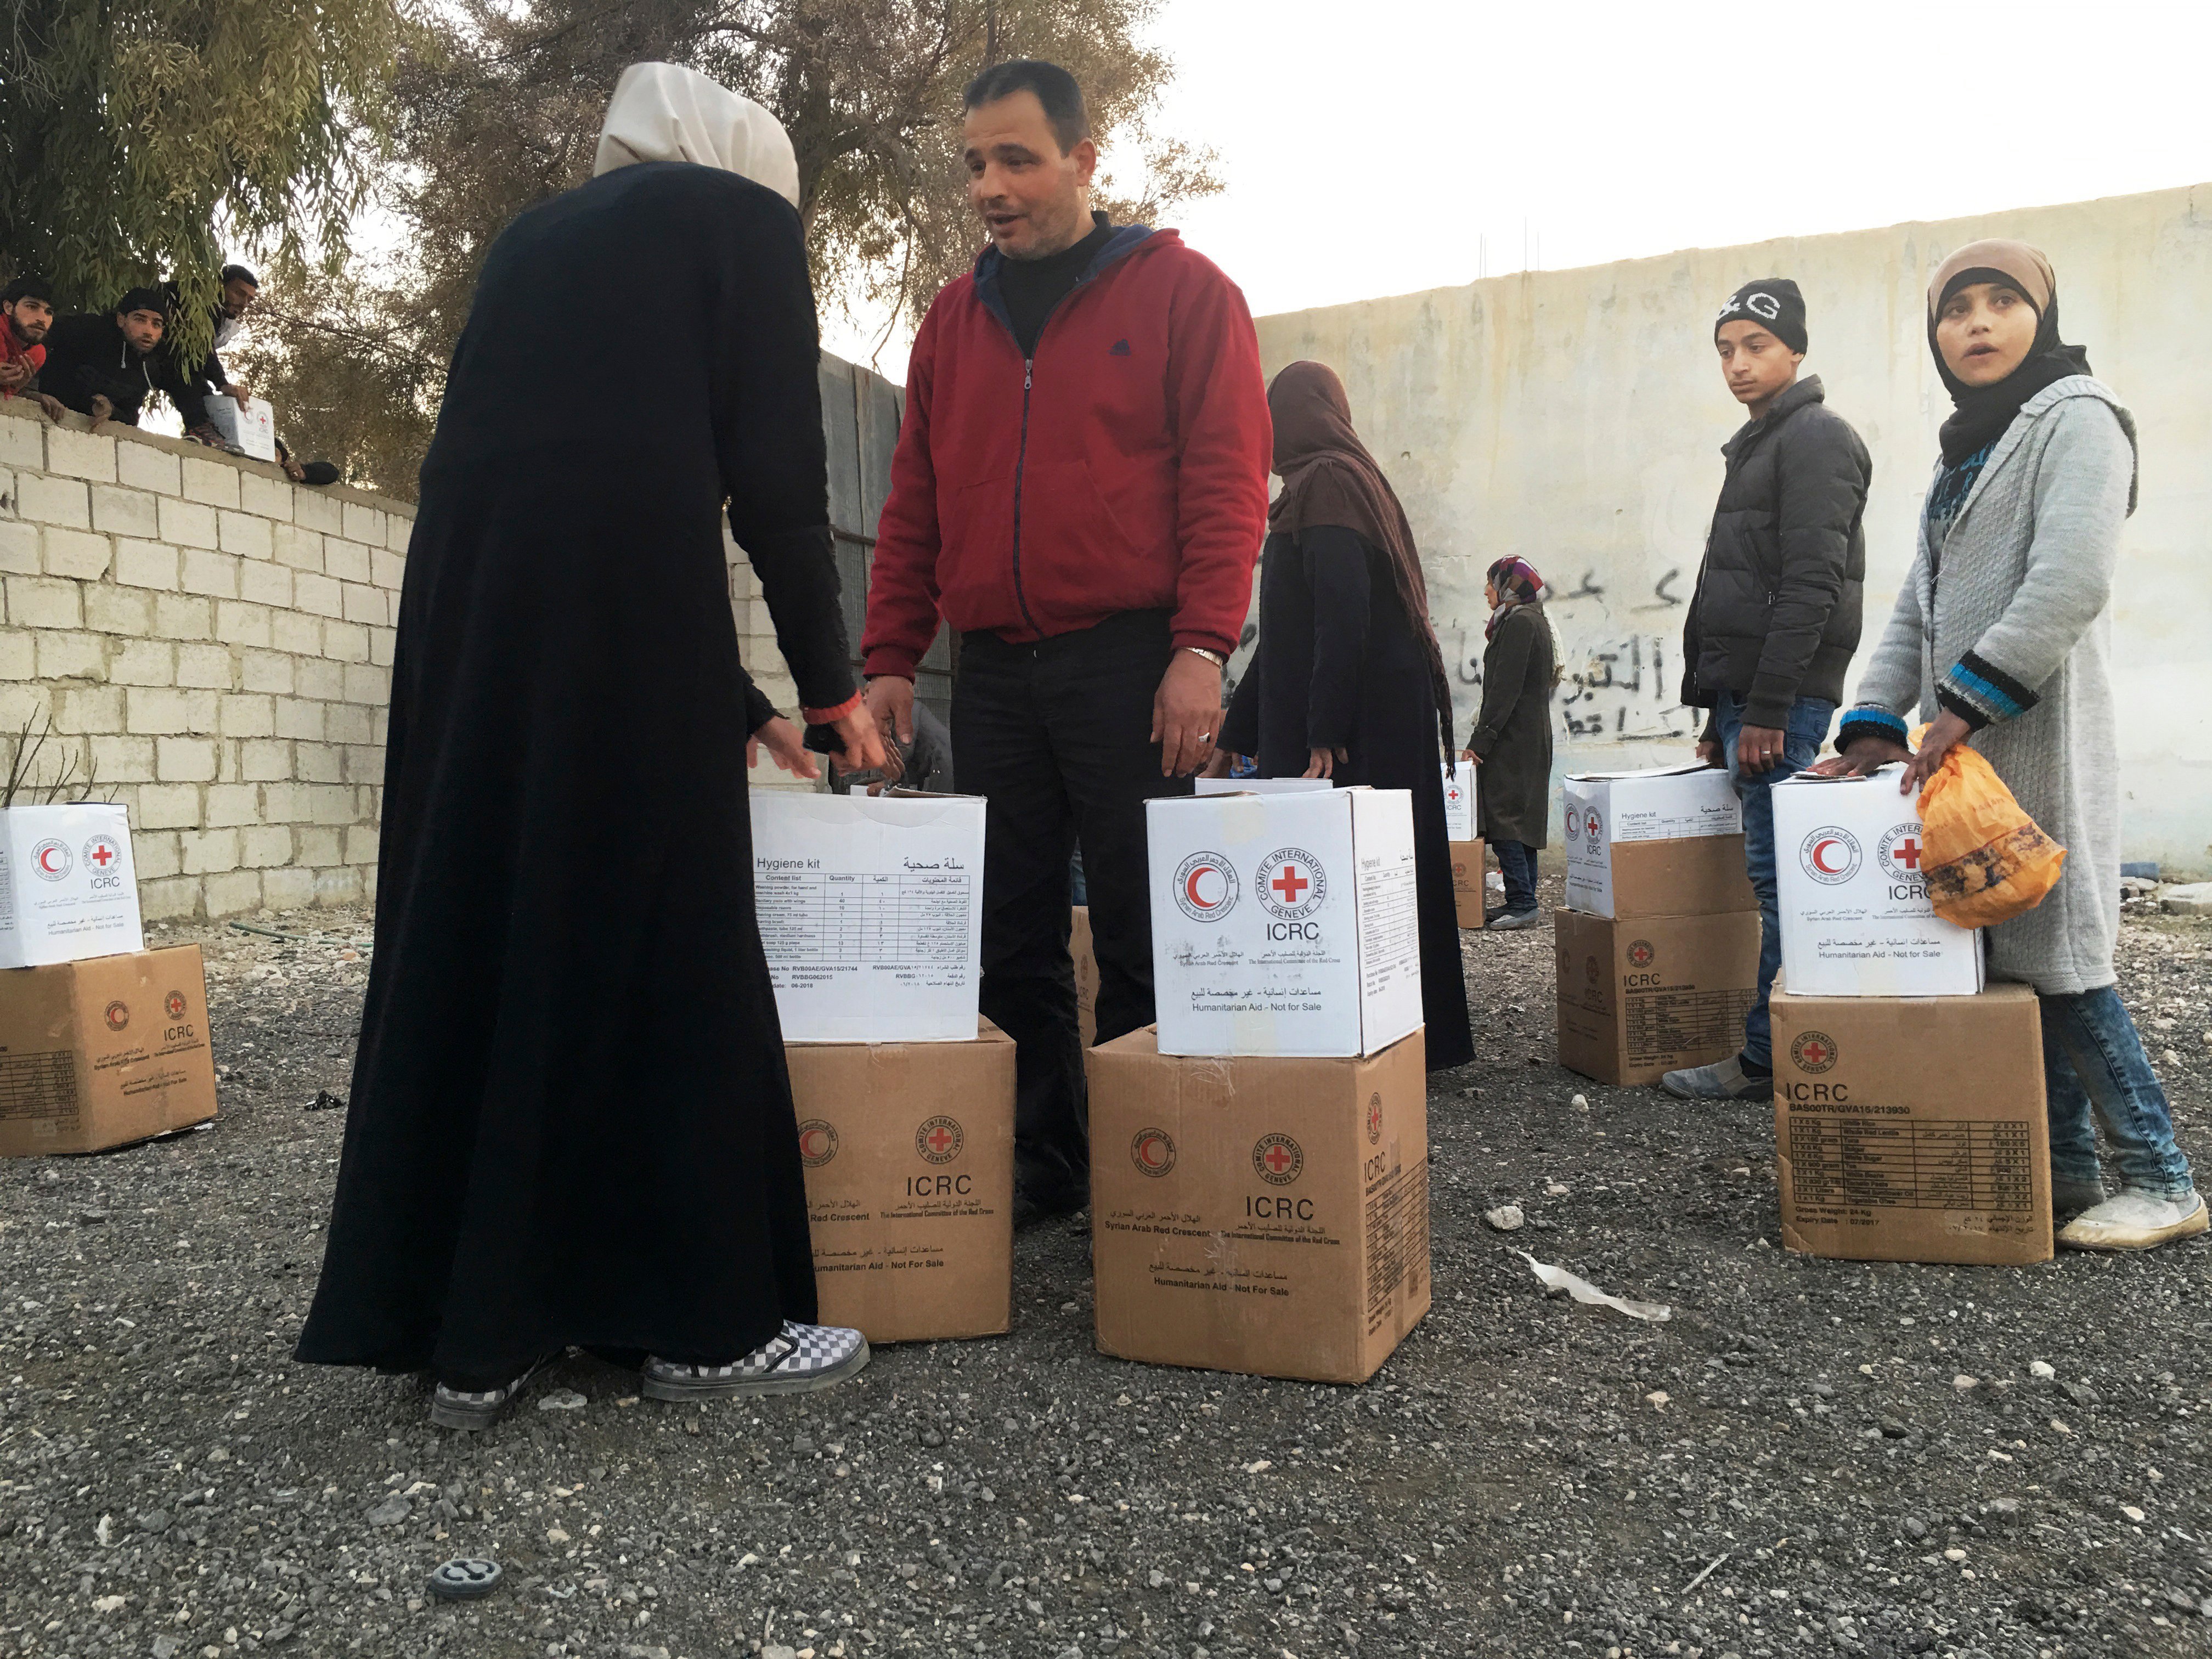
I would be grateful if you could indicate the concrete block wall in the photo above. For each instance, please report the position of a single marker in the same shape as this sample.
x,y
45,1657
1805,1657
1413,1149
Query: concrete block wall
x,y
214,644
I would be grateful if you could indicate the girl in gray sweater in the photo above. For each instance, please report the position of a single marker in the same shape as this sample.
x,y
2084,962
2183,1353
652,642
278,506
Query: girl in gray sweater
x,y
2001,637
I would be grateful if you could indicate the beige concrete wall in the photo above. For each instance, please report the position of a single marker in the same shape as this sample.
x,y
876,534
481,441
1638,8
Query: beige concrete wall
x,y
1574,418
214,644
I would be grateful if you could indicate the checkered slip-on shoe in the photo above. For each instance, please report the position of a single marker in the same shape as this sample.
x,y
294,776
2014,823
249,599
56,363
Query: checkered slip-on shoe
x,y
796,1360
456,1408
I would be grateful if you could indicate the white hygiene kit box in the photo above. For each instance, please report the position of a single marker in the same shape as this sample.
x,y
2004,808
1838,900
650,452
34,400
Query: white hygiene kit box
x,y
1459,801
1653,843
1284,923
68,889
252,428
1856,917
872,912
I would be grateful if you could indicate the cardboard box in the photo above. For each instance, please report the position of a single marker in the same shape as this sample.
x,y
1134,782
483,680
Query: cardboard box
x,y
1285,924
252,428
909,1155
1262,785
1640,996
69,888
103,1052
872,911
1856,917
1459,801
1086,975
1467,882
1912,1128
1663,843
1261,1215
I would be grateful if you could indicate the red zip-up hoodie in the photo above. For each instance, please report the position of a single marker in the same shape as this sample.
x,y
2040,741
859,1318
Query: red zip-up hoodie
x,y
1124,467
14,347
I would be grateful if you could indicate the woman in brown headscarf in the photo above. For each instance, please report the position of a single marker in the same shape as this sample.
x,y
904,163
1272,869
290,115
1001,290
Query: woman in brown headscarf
x,y
1348,681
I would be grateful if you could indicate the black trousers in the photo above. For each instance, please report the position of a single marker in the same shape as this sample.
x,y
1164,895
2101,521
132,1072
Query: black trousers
x,y
1057,735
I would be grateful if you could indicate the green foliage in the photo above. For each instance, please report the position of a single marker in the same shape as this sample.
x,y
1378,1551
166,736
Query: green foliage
x,y
502,109
138,135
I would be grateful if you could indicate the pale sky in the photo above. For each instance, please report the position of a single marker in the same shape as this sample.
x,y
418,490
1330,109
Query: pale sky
x,y
1374,147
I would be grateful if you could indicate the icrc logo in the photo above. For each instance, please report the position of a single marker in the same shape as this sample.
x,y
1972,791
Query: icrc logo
x,y
1291,883
1898,851
1831,855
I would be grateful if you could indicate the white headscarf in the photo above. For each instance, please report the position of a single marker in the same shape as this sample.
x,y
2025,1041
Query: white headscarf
x,y
664,113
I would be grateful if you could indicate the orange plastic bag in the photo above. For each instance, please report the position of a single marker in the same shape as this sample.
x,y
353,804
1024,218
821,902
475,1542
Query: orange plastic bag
x,y
1985,860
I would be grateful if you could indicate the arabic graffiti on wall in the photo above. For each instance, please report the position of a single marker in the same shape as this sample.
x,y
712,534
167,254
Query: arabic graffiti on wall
x,y
1620,677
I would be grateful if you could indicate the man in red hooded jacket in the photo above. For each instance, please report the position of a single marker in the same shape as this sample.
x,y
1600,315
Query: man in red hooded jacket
x,y
1080,489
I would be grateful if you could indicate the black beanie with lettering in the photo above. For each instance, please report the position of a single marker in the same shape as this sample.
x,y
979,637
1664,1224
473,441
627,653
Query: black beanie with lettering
x,y
1772,302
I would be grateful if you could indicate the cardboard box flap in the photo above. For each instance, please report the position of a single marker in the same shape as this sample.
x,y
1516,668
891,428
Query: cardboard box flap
x,y
1683,770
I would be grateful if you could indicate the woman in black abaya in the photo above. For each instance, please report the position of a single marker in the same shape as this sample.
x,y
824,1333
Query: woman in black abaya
x,y
1348,681
571,1122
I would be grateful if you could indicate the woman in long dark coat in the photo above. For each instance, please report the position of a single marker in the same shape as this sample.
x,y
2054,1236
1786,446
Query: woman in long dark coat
x,y
1347,681
1511,743
571,1122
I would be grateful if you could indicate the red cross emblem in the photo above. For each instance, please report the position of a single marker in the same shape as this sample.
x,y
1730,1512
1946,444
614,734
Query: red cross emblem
x,y
1278,1159
102,854
938,1139
1908,855
1816,1052
1289,884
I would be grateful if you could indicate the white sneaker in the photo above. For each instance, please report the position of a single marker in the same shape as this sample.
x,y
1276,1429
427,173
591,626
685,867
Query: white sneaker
x,y
796,1360
2133,1219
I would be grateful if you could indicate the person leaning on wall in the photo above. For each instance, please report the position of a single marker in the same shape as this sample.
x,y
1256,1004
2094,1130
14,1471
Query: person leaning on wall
x,y
2002,637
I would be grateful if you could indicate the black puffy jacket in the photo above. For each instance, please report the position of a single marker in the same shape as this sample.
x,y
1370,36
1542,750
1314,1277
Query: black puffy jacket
x,y
1776,616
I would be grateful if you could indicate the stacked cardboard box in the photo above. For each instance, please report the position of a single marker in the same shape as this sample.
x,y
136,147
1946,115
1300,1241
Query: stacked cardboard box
x,y
1260,1161
1908,1108
909,1155
871,913
1466,846
1657,949
102,1042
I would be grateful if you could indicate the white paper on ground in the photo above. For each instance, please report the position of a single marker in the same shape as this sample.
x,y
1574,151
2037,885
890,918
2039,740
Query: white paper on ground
x,y
872,914
1559,1278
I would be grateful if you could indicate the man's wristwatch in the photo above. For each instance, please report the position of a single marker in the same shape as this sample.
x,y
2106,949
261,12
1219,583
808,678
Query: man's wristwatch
x,y
1214,657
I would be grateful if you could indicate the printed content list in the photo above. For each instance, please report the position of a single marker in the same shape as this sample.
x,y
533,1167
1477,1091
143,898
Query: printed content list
x,y
1914,1163
827,919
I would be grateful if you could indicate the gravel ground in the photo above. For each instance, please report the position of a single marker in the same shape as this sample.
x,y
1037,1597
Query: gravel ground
x,y
1811,1458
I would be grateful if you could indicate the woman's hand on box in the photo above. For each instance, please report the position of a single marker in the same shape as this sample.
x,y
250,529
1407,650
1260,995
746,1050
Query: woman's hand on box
x,y
787,747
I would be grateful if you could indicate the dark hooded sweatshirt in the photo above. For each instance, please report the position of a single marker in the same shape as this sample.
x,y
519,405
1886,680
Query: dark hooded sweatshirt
x,y
90,356
1776,616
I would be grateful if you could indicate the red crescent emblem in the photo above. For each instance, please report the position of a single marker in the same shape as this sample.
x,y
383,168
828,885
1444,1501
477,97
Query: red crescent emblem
x,y
46,859
1820,862
1190,887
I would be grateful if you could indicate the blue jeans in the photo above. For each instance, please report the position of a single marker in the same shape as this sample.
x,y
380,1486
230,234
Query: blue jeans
x,y
2093,1058
1516,862
1801,746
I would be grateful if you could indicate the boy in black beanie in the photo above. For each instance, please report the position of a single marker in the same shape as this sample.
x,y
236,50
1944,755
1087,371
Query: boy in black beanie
x,y
1776,614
